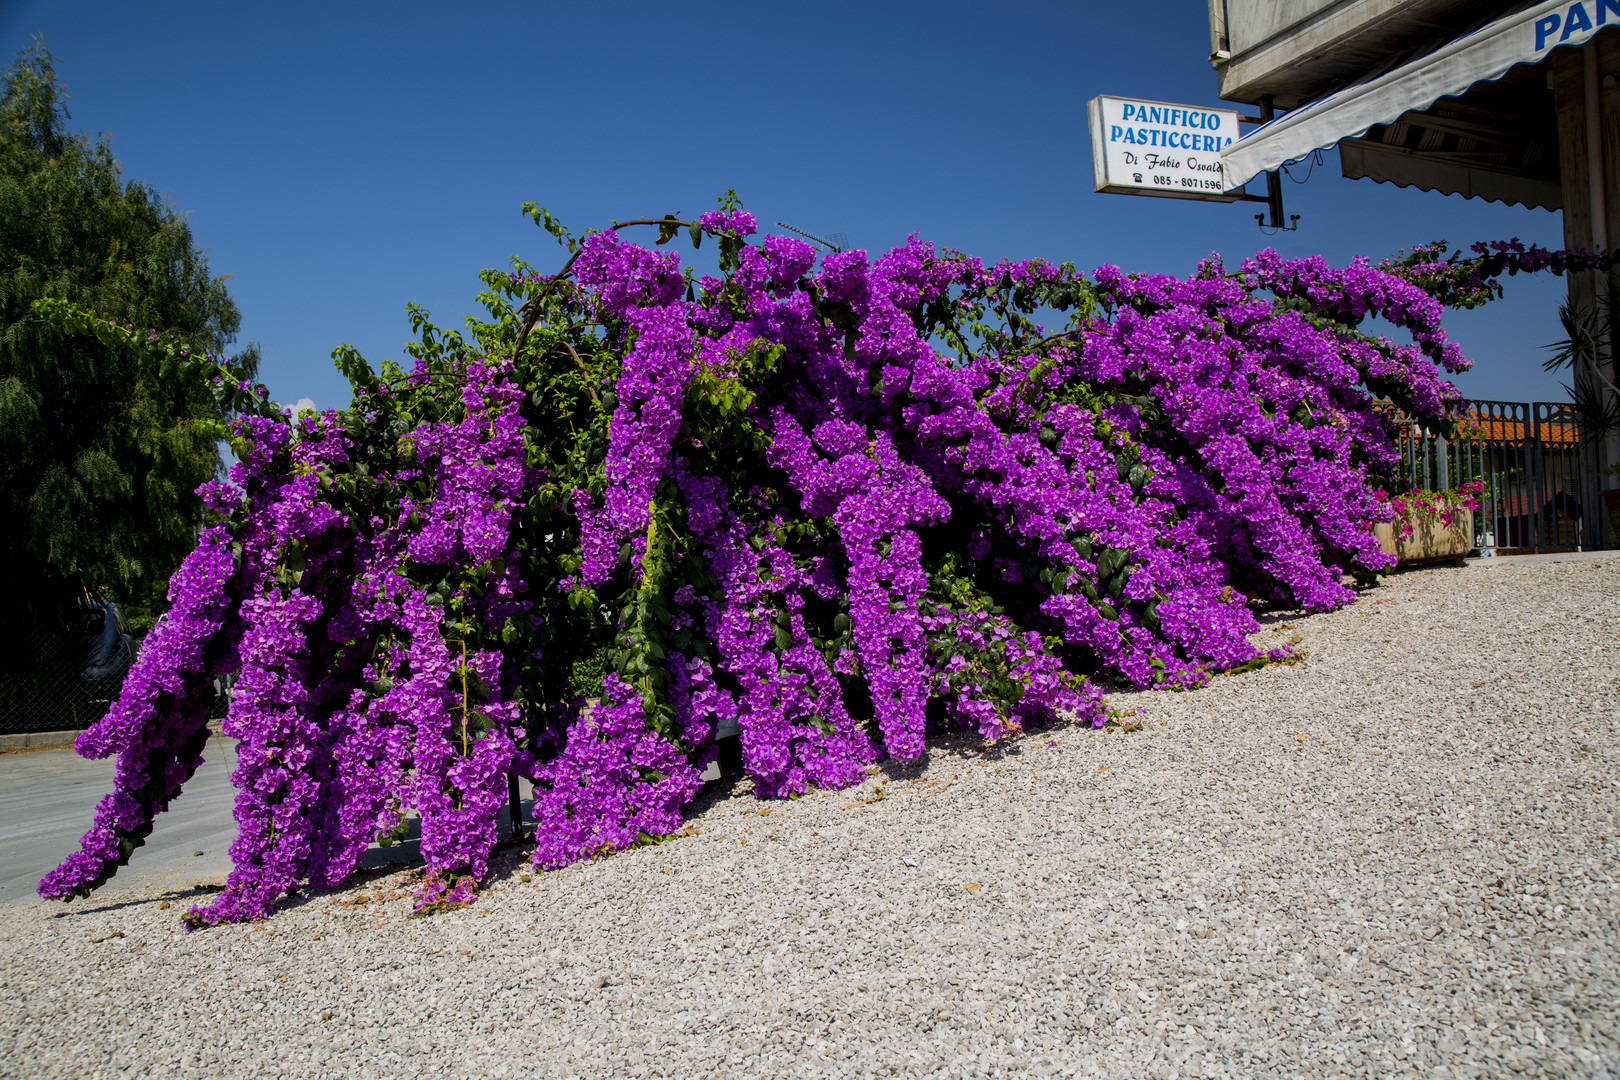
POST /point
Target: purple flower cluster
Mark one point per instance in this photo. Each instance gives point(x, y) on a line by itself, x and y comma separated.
point(614, 782)
point(735, 222)
point(159, 723)
point(641, 287)
point(795, 728)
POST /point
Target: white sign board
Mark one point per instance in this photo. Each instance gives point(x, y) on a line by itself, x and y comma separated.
point(1153, 148)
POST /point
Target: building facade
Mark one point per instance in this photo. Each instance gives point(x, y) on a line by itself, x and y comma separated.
point(1507, 101)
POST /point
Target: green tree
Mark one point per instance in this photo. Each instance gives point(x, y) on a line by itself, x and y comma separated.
point(100, 448)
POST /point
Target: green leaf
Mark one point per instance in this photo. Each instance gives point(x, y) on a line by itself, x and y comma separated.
point(1150, 616)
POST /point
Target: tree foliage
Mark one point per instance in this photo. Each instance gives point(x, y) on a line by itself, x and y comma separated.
point(101, 450)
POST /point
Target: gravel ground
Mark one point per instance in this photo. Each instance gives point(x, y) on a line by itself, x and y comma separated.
point(1395, 858)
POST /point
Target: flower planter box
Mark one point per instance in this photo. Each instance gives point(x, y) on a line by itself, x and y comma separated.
point(1431, 538)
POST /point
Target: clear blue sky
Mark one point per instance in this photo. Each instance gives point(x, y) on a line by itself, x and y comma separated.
point(340, 159)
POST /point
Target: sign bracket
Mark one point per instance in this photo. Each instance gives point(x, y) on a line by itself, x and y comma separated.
point(1272, 199)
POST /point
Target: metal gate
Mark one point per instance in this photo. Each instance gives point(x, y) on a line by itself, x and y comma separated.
point(1541, 475)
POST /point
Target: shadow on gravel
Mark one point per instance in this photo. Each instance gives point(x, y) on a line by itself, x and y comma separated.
point(193, 894)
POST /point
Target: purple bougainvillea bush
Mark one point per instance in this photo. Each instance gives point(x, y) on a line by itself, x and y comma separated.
point(837, 501)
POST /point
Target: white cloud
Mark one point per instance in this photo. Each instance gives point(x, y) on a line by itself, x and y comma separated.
point(303, 405)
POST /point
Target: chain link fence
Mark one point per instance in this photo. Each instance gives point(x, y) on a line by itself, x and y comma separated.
point(53, 692)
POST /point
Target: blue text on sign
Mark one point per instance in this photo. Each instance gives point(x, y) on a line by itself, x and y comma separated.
point(1168, 117)
point(1573, 21)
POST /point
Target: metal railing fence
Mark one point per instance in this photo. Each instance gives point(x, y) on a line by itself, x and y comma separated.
point(1539, 469)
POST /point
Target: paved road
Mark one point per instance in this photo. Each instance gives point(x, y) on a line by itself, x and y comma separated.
point(48, 799)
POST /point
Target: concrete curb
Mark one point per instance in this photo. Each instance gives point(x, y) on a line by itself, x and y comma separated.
point(37, 738)
point(1554, 557)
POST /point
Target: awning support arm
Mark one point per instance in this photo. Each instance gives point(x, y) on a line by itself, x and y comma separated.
point(1273, 196)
